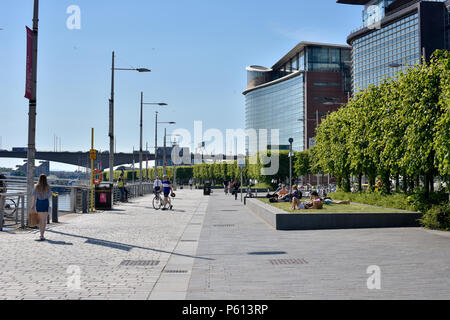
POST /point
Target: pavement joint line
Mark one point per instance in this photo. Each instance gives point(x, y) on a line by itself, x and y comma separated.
point(153, 292)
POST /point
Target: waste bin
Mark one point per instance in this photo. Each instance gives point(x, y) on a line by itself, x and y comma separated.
point(207, 189)
point(103, 196)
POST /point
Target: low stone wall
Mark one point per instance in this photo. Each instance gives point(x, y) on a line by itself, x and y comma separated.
point(281, 220)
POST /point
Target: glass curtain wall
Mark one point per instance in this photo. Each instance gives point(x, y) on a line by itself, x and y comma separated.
point(279, 106)
point(375, 54)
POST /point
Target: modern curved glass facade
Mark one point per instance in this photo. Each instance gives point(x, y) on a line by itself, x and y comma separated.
point(278, 106)
point(257, 75)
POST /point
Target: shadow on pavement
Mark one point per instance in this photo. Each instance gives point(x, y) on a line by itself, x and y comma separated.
point(123, 246)
point(59, 243)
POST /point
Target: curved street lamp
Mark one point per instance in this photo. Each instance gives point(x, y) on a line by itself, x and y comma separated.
point(111, 116)
point(161, 104)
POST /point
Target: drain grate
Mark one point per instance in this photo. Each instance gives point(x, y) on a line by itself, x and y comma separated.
point(175, 271)
point(188, 240)
point(224, 225)
point(139, 263)
point(195, 224)
point(288, 261)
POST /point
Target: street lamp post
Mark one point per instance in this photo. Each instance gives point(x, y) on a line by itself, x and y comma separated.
point(156, 140)
point(111, 116)
point(174, 145)
point(291, 140)
point(140, 141)
point(31, 152)
point(165, 146)
point(164, 152)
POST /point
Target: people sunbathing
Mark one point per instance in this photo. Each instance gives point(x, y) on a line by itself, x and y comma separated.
point(315, 202)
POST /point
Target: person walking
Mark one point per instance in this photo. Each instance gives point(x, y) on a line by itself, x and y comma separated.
point(167, 190)
point(191, 181)
point(157, 185)
point(2, 189)
point(236, 186)
point(41, 203)
point(123, 190)
point(225, 185)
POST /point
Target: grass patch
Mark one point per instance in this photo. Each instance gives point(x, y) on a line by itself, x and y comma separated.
point(262, 185)
point(396, 201)
point(335, 208)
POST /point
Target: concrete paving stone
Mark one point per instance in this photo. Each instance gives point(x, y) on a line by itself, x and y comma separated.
point(409, 258)
point(414, 262)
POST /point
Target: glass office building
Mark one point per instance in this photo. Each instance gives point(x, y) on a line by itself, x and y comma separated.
point(293, 96)
point(395, 35)
point(375, 54)
point(278, 106)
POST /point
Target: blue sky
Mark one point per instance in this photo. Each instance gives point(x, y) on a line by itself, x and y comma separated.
point(197, 51)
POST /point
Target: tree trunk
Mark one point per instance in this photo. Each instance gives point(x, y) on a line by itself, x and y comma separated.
point(405, 183)
point(372, 182)
point(339, 182)
point(427, 185)
point(360, 182)
point(397, 183)
point(347, 184)
point(386, 182)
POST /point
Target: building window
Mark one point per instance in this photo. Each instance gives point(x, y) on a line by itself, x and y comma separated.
point(327, 84)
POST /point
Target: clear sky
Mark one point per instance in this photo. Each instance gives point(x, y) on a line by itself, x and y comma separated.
point(197, 51)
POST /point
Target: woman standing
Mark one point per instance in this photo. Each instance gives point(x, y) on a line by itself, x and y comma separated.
point(41, 203)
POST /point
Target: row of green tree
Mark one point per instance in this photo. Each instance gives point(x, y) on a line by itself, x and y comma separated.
point(399, 129)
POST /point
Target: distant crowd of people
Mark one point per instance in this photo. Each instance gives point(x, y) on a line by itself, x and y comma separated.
point(294, 196)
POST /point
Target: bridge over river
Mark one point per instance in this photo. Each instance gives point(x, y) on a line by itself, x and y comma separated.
point(81, 159)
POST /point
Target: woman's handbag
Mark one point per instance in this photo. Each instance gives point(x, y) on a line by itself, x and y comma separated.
point(33, 219)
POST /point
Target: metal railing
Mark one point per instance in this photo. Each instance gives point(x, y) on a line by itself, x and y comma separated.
point(13, 199)
point(133, 190)
point(14, 207)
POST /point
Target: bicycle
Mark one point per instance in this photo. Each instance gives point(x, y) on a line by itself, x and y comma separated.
point(9, 208)
point(157, 201)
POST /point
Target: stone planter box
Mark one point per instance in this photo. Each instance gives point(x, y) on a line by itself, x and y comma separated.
point(282, 220)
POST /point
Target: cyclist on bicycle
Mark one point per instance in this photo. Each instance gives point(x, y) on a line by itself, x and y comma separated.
point(167, 190)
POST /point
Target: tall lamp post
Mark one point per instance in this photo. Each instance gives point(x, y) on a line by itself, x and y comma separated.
point(174, 144)
point(31, 152)
point(291, 140)
point(165, 147)
point(156, 141)
point(111, 116)
point(140, 142)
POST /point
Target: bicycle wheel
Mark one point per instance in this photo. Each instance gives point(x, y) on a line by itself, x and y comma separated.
point(9, 207)
point(157, 203)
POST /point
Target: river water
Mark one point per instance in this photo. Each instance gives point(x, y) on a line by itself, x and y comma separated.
point(63, 197)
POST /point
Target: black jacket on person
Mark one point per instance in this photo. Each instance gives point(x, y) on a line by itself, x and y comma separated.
point(2, 184)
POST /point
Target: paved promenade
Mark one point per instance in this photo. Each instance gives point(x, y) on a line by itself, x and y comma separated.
point(254, 261)
point(101, 248)
point(214, 248)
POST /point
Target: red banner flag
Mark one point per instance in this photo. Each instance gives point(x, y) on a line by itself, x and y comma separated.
point(29, 68)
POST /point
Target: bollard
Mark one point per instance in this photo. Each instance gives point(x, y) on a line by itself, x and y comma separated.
point(55, 208)
point(84, 202)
